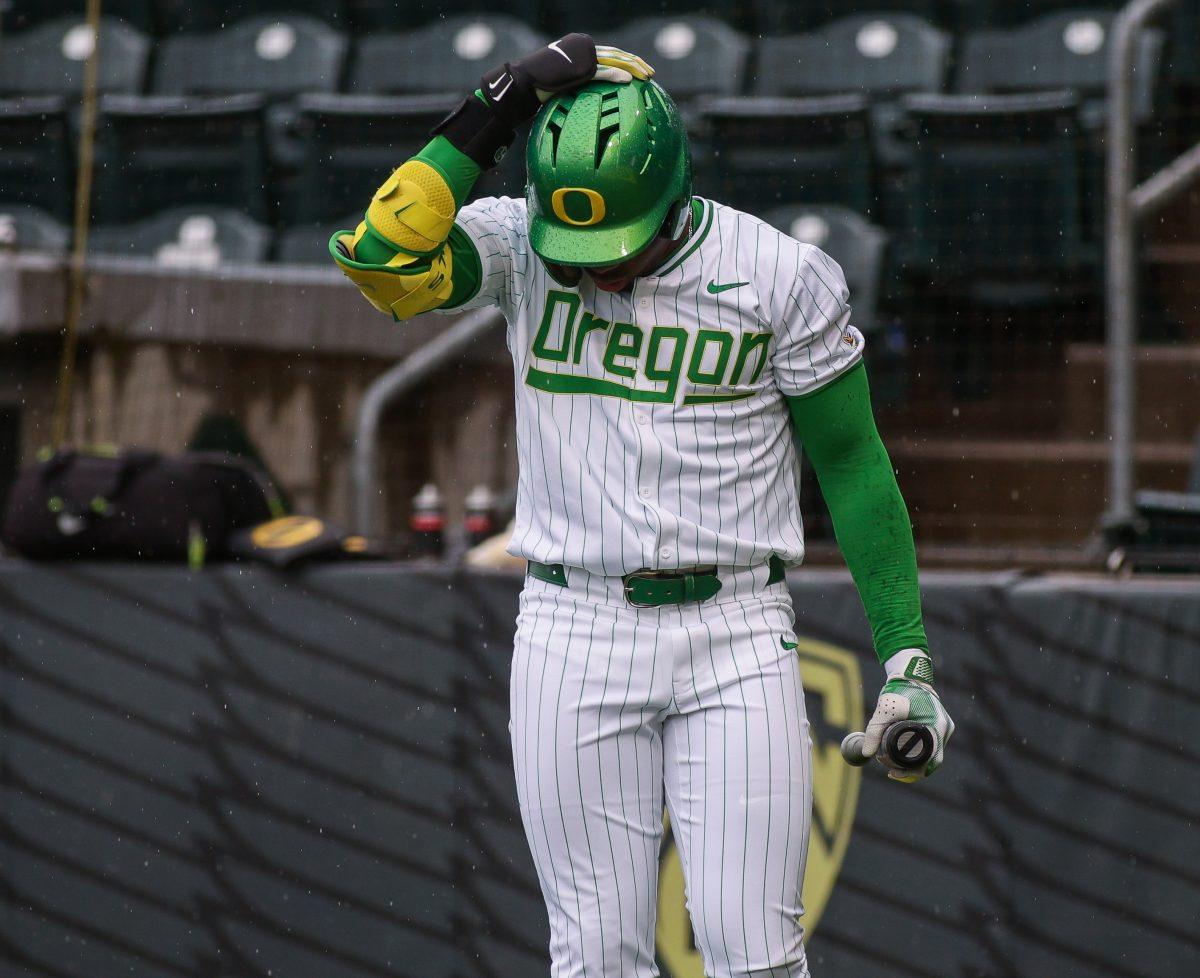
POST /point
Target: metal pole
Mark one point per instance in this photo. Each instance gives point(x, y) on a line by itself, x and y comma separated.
point(1159, 190)
point(61, 419)
point(397, 381)
point(1120, 257)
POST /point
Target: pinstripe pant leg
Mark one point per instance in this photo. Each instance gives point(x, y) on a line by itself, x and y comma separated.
point(589, 685)
point(738, 775)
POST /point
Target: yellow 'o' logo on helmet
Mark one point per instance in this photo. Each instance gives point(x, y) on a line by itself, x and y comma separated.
point(595, 203)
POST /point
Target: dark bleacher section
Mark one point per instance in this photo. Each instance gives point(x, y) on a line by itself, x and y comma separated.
point(947, 153)
point(931, 119)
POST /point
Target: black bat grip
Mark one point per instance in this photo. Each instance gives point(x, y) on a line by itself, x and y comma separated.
point(909, 745)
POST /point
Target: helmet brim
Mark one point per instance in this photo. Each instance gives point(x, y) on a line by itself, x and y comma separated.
point(584, 247)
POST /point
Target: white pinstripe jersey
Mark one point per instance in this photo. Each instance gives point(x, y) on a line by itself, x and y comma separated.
point(652, 432)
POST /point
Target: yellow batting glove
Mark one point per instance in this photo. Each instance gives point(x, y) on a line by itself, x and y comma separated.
point(615, 65)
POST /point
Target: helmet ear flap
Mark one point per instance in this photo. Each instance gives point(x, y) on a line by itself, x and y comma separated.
point(676, 220)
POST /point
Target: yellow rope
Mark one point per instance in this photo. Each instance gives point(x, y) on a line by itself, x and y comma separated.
point(83, 205)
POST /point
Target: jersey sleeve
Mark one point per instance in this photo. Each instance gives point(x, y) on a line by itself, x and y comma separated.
point(494, 229)
point(814, 341)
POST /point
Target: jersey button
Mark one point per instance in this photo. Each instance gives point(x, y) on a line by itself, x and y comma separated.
point(666, 553)
point(646, 492)
point(642, 418)
point(644, 303)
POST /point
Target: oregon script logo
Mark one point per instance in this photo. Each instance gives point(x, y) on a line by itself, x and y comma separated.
point(644, 365)
point(833, 687)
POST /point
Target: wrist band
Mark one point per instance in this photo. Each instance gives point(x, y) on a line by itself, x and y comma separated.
point(477, 132)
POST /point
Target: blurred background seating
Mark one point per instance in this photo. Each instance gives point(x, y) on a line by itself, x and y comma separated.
point(950, 153)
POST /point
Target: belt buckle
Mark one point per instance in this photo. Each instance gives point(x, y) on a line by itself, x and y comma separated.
point(628, 589)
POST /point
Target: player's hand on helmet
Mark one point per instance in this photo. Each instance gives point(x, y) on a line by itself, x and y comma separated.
point(517, 89)
point(908, 694)
point(615, 65)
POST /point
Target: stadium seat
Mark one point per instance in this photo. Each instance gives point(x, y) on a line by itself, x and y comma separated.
point(18, 15)
point(444, 57)
point(157, 152)
point(975, 14)
point(49, 59)
point(350, 143)
point(273, 56)
point(25, 228)
point(994, 187)
point(873, 54)
point(187, 237)
point(758, 153)
point(1063, 50)
point(596, 17)
point(35, 157)
point(173, 16)
point(849, 239)
point(1066, 50)
point(773, 17)
point(692, 55)
point(309, 244)
point(368, 16)
point(879, 55)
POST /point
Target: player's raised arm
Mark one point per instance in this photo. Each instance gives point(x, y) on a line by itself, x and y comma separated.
point(405, 256)
point(820, 370)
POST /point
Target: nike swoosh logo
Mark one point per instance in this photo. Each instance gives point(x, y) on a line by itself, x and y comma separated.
point(497, 96)
point(713, 288)
point(554, 47)
point(786, 644)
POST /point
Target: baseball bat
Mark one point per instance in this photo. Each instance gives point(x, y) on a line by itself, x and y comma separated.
point(908, 745)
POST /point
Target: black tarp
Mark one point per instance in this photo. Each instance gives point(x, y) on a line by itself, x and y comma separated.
point(240, 773)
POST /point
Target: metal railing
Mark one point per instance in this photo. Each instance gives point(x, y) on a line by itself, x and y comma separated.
point(1126, 205)
point(399, 380)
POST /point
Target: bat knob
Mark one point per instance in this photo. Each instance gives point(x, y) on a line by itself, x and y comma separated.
point(852, 749)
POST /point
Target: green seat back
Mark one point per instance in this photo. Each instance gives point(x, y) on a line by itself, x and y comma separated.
point(447, 56)
point(49, 59)
point(1068, 49)
point(994, 186)
point(875, 54)
point(974, 14)
point(176, 16)
point(275, 56)
point(158, 152)
point(773, 17)
point(758, 153)
point(370, 16)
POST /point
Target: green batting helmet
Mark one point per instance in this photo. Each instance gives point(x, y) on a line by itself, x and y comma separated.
point(607, 165)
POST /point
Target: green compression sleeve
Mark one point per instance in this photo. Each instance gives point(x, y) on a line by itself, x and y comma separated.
point(836, 429)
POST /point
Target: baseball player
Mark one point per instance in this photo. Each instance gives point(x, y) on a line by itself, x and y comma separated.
point(669, 352)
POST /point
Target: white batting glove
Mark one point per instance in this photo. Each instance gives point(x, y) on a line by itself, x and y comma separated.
point(908, 694)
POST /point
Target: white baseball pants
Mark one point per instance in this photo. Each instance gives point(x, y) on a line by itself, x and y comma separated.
point(611, 705)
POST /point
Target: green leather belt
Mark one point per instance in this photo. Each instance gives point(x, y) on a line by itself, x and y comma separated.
point(653, 589)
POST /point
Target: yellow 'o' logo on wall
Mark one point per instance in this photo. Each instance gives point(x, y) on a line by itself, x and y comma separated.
point(571, 209)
